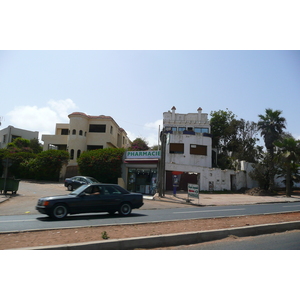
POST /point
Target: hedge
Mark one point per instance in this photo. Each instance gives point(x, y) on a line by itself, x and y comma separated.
point(103, 164)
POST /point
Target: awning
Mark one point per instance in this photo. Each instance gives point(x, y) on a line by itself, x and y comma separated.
point(176, 172)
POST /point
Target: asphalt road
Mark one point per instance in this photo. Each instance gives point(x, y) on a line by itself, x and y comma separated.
point(40, 222)
point(277, 241)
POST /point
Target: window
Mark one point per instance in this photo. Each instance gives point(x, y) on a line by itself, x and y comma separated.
point(78, 153)
point(111, 190)
point(97, 128)
point(201, 130)
point(181, 129)
point(93, 147)
point(177, 148)
point(64, 131)
point(4, 138)
point(72, 154)
point(80, 132)
point(111, 130)
point(174, 128)
point(198, 149)
point(74, 132)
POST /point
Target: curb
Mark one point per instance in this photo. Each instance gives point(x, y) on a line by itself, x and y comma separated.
point(170, 240)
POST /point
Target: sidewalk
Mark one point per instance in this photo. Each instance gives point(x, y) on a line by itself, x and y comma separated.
point(216, 199)
point(4, 197)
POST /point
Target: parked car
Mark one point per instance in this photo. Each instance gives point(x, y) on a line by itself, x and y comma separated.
point(74, 182)
point(91, 198)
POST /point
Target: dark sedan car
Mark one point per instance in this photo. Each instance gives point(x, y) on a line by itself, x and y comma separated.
point(75, 182)
point(91, 198)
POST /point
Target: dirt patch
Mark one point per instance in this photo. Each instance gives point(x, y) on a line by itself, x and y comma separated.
point(89, 234)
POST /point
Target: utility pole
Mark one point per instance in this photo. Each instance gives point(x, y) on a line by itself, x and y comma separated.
point(162, 165)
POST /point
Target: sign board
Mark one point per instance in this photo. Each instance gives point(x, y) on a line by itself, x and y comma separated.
point(143, 154)
point(193, 190)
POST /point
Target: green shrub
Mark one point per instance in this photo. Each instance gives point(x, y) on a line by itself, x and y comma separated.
point(44, 166)
point(103, 164)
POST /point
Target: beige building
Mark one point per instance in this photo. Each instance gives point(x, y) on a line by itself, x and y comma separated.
point(85, 132)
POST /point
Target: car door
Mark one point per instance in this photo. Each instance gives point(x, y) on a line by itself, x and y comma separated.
point(95, 199)
point(112, 197)
point(76, 182)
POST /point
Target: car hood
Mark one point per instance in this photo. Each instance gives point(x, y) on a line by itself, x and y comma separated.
point(58, 197)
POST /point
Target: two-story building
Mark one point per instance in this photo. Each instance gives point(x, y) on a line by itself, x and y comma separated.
point(85, 132)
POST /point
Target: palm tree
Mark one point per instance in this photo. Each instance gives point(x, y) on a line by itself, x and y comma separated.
point(289, 156)
point(271, 126)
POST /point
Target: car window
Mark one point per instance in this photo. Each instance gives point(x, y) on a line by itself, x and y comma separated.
point(94, 190)
point(94, 180)
point(111, 190)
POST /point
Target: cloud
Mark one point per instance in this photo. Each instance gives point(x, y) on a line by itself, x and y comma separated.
point(42, 119)
point(150, 133)
point(154, 125)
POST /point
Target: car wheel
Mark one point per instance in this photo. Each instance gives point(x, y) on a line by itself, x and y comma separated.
point(70, 187)
point(125, 209)
point(59, 211)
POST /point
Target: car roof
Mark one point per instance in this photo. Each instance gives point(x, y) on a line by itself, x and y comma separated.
point(102, 183)
point(84, 177)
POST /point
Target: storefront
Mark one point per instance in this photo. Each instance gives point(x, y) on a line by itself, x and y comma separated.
point(141, 171)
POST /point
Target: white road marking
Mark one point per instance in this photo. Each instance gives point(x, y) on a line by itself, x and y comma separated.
point(205, 211)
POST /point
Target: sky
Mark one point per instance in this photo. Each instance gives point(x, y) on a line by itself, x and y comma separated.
point(135, 60)
point(40, 88)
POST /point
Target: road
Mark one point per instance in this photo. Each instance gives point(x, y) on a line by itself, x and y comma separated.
point(40, 222)
point(277, 241)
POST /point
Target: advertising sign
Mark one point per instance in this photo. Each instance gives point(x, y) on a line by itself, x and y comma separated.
point(193, 190)
point(143, 154)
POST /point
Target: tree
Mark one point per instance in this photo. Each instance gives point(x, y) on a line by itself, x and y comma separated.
point(222, 127)
point(234, 139)
point(260, 172)
point(271, 126)
point(243, 142)
point(23, 145)
point(19, 145)
point(139, 144)
point(288, 156)
point(36, 146)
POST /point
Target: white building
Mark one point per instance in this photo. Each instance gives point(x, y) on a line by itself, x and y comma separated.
point(7, 135)
point(188, 155)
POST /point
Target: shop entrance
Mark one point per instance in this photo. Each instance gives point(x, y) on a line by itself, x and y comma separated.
point(184, 180)
point(142, 181)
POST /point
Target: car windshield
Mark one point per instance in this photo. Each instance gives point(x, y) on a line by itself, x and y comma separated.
point(79, 190)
